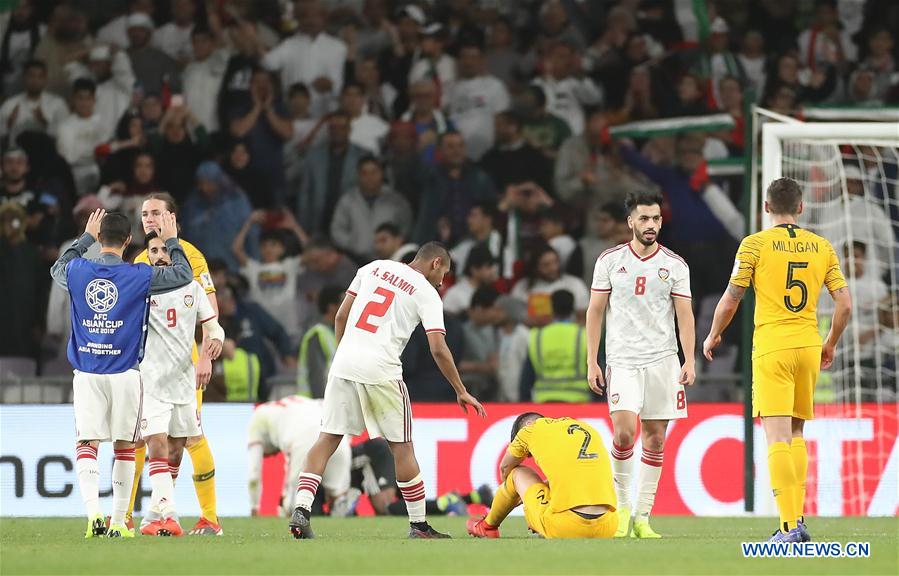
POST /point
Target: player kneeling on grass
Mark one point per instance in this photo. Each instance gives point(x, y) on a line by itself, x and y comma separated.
point(577, 500)
point(169, 386)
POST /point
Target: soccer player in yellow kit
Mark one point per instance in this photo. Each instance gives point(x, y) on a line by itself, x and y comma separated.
point(577, 500)
point(153, 207)
point(787, 267)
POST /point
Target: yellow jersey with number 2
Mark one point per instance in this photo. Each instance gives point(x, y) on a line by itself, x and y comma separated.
point(787, 267)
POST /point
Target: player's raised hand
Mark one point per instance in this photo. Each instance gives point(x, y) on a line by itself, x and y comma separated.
point(827, 354)
point(711, 342)
point(93, 223)
point(687, 374)
point(595, 379)
point(465, 400)
point(168, 226)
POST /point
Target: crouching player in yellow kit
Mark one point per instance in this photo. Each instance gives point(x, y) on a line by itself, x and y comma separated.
point(787, 267)
point(153, 207)
point(577, 500)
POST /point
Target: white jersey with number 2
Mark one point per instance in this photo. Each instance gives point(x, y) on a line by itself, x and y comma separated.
point(167, 369)
point(391, 298)
point(640, 316)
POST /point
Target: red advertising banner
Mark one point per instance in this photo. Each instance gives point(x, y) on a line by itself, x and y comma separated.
point(853, 465)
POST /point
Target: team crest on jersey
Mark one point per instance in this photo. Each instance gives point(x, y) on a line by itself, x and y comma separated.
point(663, 274)
point(143, 423)
point(614, 398)
point(188, 300)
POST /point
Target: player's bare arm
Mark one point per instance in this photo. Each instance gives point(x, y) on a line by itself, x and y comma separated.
point(842, 300)
point(596, 311)
point(343, 314)
point(724, 315)
point(683, 309)
point(509, 463)
point(444, 360)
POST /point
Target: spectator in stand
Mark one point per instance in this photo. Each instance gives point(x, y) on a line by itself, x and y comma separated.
point(273, 278)
point(553, 232)
point(151, 113)
point(434, 65)
point(307, 132)
point(67, 39)
point(420, 373)
point(313, 57)
point(567, 90)
point(214, 213)
point(203, 75)
point(254, 330)
point(111, 70)
point(156, 72)
point(429, 120)
point(824, 44)
point(482, 231)
point(242, 172)
point(318, 345)
point(42, 208)
point(715, 62)
point(880, 61)
point(379, 96)
point(475, 99)
point(554, 26)
point(543, 277)
point(502, 59)
point(643, 100)
point(544, 131)
point(324, 265)
point(179, 150)
point(809, 86)
point(513, 347)
point(782, 100)
point(753, 60)
point(731, 102)
point(234, 93)
point(34, 109)
point(330, 169)
point(691, 101)
point(174, 38)
point(22, 286)
point(266, 125)
point(362, 209)
point(79, 136)
point(115, 32)
point(455, 185)
point(480, 271)
point(404, 165)
point(18, 42)
point(606, 228)
point(512, 160)
point(117, 156)
point(480, 359)
point(48, 171)
point(390, 244)
point(366, 130)
point(142, 180)
point(405, 50)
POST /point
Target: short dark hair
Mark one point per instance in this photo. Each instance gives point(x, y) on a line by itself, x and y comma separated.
point(339, 114)
point(390, 228)
point(563, 303)
point(170, 204)
point(478, 257)
point(115, 228)
point(522, 421)
point(297, 88)
point(484, 297)
point(642, 198)
point(784, 196)
point(35, 63)
point(151, 235)
point(447, 134)
point(433, 250)
point(368, 159)
point(84, 85)
point(328, 296)
point(320, 242)
point(553, 214)
point(272, 236)
point(201, 31)
point(488, 209)
point(347, 85)
point(511, 117)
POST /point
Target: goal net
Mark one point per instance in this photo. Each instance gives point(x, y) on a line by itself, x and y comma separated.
point(848, 173)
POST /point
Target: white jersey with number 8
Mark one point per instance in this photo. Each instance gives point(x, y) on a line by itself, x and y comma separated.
point(391, 299)
point(167, 369)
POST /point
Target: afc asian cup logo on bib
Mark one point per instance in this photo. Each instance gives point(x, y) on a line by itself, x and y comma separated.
point(101, 295)
point(663, 274)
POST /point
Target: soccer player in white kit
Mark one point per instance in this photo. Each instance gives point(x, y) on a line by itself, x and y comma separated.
point(365, 389)
point(291, 425)
point(643, 285)
point(170, 414)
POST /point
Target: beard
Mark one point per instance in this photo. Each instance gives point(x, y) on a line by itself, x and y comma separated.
point(646, 241)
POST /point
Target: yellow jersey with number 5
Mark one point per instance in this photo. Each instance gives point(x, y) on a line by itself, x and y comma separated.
point(787, 267)
point(572, 456)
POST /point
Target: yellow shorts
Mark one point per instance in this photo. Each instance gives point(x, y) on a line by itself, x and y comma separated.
point(566, 524)
point(783, 382)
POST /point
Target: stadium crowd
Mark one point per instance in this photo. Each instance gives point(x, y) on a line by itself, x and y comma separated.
point(302, 140)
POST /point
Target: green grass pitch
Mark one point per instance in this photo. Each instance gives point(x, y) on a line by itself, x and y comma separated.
point(378, 546)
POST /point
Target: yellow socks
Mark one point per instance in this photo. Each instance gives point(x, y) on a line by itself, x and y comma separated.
point(800, 465)
point(505, 499)
point(140, 455)
point(783, 483)
point(204, 478)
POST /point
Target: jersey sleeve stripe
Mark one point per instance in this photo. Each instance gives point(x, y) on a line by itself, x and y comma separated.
point(603, 290)
point(610, 250)
point(675, 256)
point(435, 330)
point(351, 293)
point(676, 295)
point(213, 317)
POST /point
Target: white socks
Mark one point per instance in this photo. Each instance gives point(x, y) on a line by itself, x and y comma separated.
point(122, 480)
point(163, 499)
point(622, 470)
point(88, 478)
point(413, 493)
point(648, 482)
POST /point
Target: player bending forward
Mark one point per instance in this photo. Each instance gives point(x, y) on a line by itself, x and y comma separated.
point(644, 285)
point(578, 498)
point(382, 307)
point(786, 266)
point(291, 425)
point(170, 382)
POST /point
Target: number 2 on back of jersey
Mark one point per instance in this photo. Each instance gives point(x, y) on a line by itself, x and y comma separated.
point(375, 310)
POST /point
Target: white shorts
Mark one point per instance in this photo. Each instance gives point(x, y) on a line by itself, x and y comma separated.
point(351, 407)
point(651, 391)
point(107, 406)
point(335, 478)
point(176, 420)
